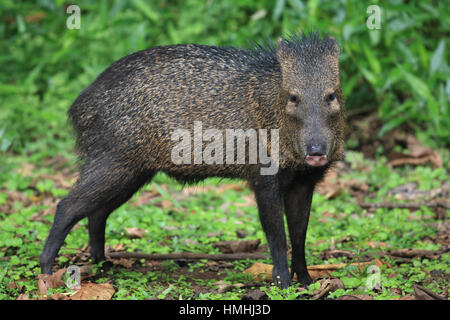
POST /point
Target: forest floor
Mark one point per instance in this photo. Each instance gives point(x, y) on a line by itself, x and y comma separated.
point(379, 229)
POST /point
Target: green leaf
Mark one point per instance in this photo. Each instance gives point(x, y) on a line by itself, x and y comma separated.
point(14, 260)
point(297, 4)
point(350, 282)
point(370, 76)
point(278, 10)
point(438, 57)
point(347, 31)
point(3, 198)
point(45, 185)
point(373, 61)
point(375, 36)
point(421, 89)
point(146, 10)
point(393, 123)
point(312, 9)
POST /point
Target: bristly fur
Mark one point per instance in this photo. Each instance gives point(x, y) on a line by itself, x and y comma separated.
point(266, 49)
point(264, 46)
point(299, 42)
point(303, 39)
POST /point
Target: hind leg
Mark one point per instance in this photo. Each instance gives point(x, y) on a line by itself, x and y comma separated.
point(68, 213)
point(100, 189)
point(96, 226)
point(97, 221)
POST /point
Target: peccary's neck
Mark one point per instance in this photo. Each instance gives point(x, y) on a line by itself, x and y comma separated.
point(263, 73)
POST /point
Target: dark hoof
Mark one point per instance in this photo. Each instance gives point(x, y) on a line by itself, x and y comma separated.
point(46, 266)
point(305, 281)
point(105, 266)
point(282, 280)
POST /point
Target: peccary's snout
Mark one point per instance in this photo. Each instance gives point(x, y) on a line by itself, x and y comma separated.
point(316, 149)
point(316, 154)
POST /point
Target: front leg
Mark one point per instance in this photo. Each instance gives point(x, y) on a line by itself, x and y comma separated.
point(297, 202)
point(269, 200)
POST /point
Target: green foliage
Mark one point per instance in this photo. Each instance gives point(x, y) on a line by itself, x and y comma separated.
point(400, 70)
point(291, 293)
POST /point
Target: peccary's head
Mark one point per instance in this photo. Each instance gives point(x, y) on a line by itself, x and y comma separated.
point(312, 98)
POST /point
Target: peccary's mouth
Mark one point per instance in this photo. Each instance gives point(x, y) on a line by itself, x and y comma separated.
point(316, 161)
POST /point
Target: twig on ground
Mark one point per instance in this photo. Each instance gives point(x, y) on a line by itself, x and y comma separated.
point(404, 205)
point(186, 255)
point(410, 253)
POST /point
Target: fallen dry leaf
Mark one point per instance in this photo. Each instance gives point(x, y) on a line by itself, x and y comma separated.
point(434, 159)
point(144, 198)
point(419, 155)
point(332, 190)
point(46, 281)
point(23, 296)
point(127, 263)
point(223, 286)
point(416, 147)
point(327, 286)
point(332, 187)
point(57, 296)
point(336, 253)
point(135, 233)
point(377, 244)
point(94, 291)
point(329, 187)
point(260, 271)
point(236, 246)
point(263, 271)
point(119, 247)
point(42, 287)
point(356, 185)
point(254, 295)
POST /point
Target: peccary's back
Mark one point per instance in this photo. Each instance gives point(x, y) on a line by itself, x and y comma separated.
point(132, 108)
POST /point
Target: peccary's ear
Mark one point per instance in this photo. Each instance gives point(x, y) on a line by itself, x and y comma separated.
point(333, 45)
point(332, 49)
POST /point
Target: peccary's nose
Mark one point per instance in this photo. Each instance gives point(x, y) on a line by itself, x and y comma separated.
point(316, 154)
point(315, 149)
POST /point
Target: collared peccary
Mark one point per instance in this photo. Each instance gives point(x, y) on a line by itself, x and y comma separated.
point(125, 121)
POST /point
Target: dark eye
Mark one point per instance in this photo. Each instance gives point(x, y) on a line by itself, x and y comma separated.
point(293, 98)
point(331, 97)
